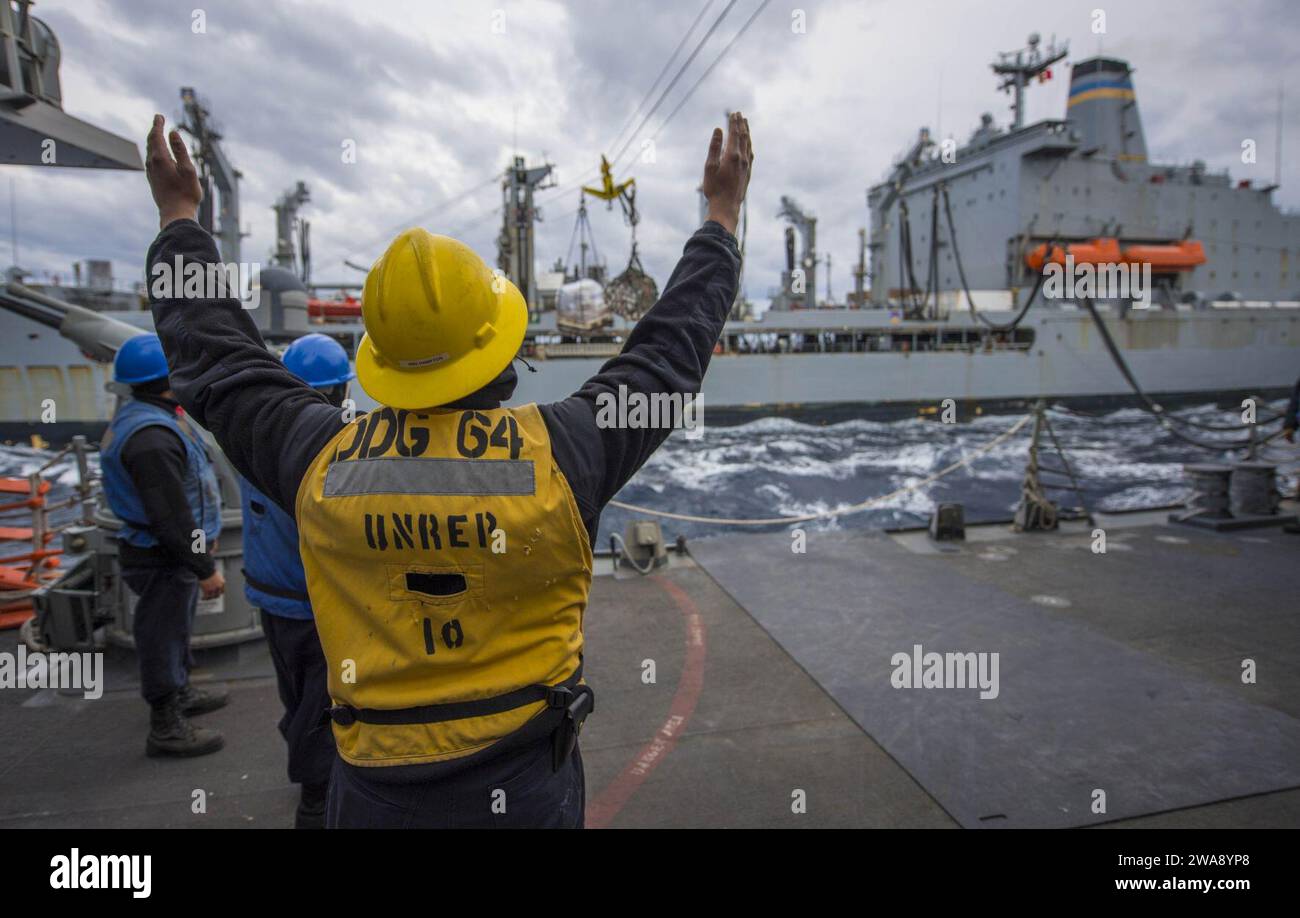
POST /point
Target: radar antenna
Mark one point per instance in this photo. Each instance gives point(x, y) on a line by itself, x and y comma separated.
point(1017, 68)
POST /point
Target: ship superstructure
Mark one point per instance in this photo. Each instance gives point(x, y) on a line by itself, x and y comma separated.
point(1075, 181)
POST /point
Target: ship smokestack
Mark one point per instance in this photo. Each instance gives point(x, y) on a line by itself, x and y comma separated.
point(1103, 108)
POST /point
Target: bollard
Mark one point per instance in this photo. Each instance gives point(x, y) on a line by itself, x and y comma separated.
point(1252, 490)
point(948, 523)
point(1209, 497)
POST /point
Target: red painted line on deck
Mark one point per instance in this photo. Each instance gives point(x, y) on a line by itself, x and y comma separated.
point(611, 800)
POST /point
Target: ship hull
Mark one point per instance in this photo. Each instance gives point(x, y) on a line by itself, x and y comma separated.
point(1211, 355)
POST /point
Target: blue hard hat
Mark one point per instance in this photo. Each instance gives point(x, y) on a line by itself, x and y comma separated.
point(318, 360)
point(140, 360)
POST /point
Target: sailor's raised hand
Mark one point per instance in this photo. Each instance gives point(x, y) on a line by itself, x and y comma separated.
point(726, 171)
point(172, 177)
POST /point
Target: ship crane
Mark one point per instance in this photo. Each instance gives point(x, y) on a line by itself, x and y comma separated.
point(585, 239)
point(1017, 68)
point(807, 227)
point(519, 214)
point(216, 171)
point(633, 292)
point(287, 226)
point(580, 307)
point(609, 191)
point(860, 273)
point(911, 161)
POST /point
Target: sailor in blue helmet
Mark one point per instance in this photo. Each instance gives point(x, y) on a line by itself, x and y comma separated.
point(159, 481)
point(274, 582)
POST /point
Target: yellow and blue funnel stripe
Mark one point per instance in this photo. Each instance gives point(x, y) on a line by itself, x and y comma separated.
point(1100, 86)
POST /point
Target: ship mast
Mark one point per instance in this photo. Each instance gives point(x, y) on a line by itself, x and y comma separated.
point(287, 226)
point(515, 244)
point(215, 171)
point(1017, 68)
point(807, 226)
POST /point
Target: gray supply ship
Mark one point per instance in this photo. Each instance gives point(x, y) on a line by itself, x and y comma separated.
point(976, 222)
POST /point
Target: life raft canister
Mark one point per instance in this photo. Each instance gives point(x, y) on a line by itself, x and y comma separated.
point(449, 571)
point(1164, 258)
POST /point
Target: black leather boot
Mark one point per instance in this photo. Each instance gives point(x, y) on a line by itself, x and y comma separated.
point(311, 807)
point(171, 734)
point(195, 701)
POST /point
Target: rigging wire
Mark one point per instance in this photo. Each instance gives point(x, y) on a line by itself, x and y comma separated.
point(932, 272)
point(1069, 469)
point(906, 271)
point(582, 235)
point(705, 75)
point(564, 189)
point(917, 309)
point(961, 274)
point(655, 85)
point(1166, 420)
point(461, 230)
point(423, 217)
point(677, 76)
point(615, 159)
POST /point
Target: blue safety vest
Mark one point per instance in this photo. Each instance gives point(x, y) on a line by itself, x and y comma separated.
point(273, 576)
point(201, 490)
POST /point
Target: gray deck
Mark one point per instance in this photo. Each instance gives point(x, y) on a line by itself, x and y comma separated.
point(1119, 672)
point(735, 723)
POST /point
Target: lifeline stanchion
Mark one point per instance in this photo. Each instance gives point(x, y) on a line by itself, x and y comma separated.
point(1036, 512)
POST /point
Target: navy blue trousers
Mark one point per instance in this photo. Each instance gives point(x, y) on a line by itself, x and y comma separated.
point(518, 790)
point(300, 675)
point(164, 616)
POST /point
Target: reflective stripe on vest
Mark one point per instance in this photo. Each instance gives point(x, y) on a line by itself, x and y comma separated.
point(449, 570)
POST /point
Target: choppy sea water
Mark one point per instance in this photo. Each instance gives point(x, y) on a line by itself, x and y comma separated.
point(777, 467)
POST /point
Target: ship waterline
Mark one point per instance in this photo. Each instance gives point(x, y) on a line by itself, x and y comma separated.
point(845, 361)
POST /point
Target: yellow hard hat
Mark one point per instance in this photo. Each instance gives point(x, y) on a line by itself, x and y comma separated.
point(439, 323)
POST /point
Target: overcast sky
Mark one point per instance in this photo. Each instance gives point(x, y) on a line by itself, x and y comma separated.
point(435, 93)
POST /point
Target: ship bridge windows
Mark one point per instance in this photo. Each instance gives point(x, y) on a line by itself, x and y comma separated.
point(1099, 65)
point(893, 339)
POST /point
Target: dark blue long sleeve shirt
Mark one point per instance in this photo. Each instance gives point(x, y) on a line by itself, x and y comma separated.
point(272, 425)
